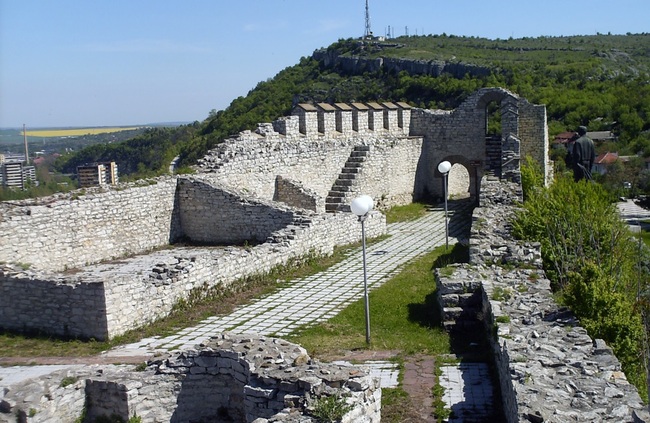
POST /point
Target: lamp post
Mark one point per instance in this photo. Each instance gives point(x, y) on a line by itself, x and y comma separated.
point(444, 168)
point(361, 206)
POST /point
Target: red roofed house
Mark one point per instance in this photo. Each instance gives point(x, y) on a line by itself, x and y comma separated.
point(604, 160)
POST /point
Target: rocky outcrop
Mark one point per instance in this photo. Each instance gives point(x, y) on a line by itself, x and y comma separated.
point(357, 65)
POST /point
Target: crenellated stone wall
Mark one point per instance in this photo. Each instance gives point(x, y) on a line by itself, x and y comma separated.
point(321, 138)
point(258, 187)
point(231, 378)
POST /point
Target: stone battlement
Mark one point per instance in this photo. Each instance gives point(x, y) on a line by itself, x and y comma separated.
point(343, 119)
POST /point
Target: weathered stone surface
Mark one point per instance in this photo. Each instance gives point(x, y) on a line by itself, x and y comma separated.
point(172, 390)
point(549, 369)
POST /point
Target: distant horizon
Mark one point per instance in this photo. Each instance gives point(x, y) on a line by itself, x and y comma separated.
point(74, 63)
point(138, 125)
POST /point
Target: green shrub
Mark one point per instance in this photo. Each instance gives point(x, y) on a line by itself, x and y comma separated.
point(591, 259)
point(532, 177)
point(330, 408)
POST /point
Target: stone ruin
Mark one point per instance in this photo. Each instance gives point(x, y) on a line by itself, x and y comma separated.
point(547, 367)
point(231, 378)
point(98, 263)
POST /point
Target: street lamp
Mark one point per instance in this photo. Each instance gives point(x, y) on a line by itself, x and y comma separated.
point(444, 168)
point(361, 206)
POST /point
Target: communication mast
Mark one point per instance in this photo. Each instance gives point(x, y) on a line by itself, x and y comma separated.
point(368, 32)
point(25, 141)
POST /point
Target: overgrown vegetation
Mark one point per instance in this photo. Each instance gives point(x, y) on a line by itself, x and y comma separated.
point(594, 264)
point(330, 408)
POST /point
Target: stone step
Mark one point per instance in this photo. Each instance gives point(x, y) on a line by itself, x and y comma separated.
point(333, 200)
point(336, 193)
point(354, 159)
point(353, 165)
point(361, 148)
point(462, 300)
point(456, 313)
point(343, 183)
point(347, 176)
point(331, 207)
point(354, 170)
point(462, 326)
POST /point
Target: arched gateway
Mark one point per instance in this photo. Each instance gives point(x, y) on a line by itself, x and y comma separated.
point(465, 137)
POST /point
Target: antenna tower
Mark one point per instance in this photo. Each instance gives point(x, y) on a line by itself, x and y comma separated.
point(25, 141)
point(368, 32)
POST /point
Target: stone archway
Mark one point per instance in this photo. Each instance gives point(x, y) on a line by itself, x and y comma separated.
point(459, 136)
point(459, 182)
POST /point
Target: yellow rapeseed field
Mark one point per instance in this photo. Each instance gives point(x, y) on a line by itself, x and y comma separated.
point(73, 132)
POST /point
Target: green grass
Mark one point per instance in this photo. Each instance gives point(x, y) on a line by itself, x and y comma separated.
point(406, 213)
point(403, 315)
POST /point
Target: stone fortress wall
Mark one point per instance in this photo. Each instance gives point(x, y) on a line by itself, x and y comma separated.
point(64, 260)
point(270, 189)
point(547, 366)
point(239, 378)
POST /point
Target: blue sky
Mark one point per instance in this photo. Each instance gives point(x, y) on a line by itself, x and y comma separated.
point(127, 62)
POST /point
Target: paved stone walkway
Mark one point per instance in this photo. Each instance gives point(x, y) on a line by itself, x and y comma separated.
point(317, 298)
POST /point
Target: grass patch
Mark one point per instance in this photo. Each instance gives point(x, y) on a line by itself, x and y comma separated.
point(406, 213)
point(403, 315)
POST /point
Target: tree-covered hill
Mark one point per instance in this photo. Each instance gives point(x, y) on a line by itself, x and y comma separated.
point(602, 81)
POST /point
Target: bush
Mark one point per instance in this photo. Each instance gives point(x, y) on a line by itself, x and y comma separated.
point(593, 262)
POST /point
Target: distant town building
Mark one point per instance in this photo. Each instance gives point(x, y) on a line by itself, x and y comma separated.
point(604, 160)
point(97, 174)
point(15, 174)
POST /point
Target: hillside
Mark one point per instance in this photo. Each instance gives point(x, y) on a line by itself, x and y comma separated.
point(600, 81)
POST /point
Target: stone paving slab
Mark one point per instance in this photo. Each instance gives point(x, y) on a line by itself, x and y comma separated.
point(468, 392)
point(316, 298)
point(319, 297)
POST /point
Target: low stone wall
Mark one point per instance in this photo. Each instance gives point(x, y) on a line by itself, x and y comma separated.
point(106, 300)
point(548, 367)
point(231, 378)
point(292, 193)
point(88, 226)
point(210, 214)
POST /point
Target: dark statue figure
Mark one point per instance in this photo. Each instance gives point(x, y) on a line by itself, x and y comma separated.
point(583, 155)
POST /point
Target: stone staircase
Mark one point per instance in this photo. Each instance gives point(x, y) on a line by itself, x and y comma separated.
point(336, 198)
point(464, 308)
